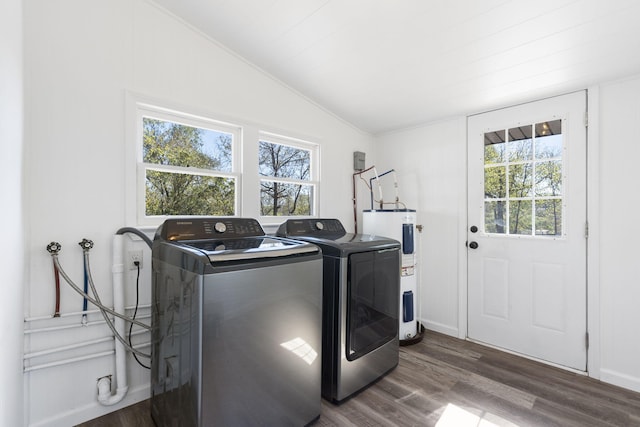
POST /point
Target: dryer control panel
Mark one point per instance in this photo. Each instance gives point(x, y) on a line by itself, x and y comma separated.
point(311, 227)
point(209, 228)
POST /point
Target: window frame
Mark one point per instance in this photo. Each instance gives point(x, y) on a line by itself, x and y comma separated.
point(314, 174)
point(145, 110)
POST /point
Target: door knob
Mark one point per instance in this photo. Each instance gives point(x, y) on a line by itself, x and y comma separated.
point(473, 245)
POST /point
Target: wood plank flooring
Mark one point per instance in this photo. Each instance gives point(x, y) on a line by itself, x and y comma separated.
point(447, 382)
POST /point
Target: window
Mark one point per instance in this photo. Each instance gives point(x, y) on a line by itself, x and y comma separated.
point(187, 165)
point(523, 180)
point(288, 186)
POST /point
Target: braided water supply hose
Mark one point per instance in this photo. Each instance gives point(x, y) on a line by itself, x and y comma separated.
point(54, 248)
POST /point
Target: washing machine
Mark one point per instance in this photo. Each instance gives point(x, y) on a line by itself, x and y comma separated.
point(361, 281)
point(236, 325)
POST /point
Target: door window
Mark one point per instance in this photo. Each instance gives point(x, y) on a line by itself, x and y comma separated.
point(523, 180)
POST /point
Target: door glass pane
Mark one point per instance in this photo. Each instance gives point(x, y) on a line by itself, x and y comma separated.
point(494, 147)
point(520, 182)
point(549, 178)
point(495, 216)
point(549, 217)
point(495, 182)
point(520, 145)
point(549, 139)
point(520, 217)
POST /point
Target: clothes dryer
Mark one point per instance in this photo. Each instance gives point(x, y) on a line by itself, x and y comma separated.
point(361, 280)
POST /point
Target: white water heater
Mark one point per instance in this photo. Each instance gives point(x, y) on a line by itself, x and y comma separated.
point(400, 224)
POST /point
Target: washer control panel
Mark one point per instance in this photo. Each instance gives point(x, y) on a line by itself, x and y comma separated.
point(176, 229)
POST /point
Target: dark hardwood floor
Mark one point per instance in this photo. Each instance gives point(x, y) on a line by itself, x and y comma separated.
point(449, 382)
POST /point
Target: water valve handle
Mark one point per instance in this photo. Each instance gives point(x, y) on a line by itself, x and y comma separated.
point(54, 247)
point(86, 244)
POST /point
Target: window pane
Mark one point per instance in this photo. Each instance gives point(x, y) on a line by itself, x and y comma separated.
point(520, 146)
point(170, 193)
point(494, 147)
point(520, 217)
point(553, 127)
point(520, 181)
point(549, 217)
point(549, 140)
point(284, 199)
point(520, 133)
point(549, 178)
point(549, 147)
point(284, 161)
point(167, 143)
point(495, 183)
point(495, 217)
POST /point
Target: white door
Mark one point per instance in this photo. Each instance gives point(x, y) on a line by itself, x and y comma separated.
point(527, 229)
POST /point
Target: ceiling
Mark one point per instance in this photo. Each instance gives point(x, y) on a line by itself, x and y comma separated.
point(383, 65)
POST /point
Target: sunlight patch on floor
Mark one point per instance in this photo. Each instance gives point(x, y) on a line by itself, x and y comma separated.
point(455, 416)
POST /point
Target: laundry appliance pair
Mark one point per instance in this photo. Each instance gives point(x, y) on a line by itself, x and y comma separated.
point(250, 329)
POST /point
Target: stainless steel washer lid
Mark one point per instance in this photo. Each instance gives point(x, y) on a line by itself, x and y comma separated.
point(221, 250)
point(225, 239)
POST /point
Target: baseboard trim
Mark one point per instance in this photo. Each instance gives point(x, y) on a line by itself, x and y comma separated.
point(439, 327)
point(94, 410)
point(619, 379)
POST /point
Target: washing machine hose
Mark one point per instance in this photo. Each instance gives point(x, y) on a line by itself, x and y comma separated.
point(103, 309)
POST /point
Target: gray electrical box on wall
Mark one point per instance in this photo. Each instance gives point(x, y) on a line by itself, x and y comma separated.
point(358, 160)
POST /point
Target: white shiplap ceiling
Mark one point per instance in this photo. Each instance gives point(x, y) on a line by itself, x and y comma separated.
point(388, 64)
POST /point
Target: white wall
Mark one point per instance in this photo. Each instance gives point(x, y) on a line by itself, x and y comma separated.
point(11, 214)
point(82, 60)
point(619, 252)
point(430, 162)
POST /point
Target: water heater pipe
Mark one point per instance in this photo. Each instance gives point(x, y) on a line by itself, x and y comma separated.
point(354, 199)
point(381, 201)
point(395, 185)
point(104, 384)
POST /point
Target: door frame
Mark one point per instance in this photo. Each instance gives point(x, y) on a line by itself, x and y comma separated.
point(593, 242)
